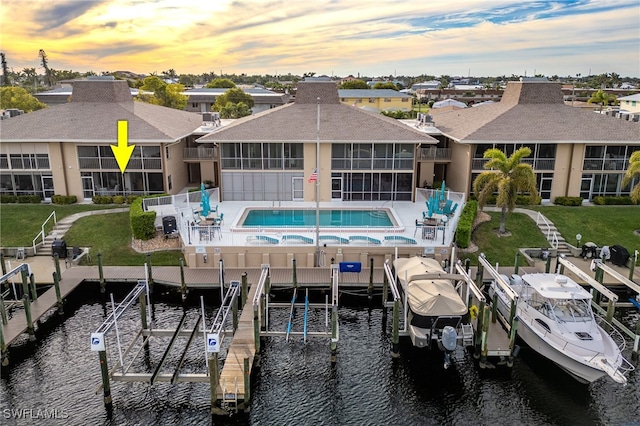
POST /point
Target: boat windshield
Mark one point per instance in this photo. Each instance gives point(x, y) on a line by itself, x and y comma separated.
point(564, 310)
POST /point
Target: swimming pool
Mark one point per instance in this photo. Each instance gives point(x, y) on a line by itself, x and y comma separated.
point(339, 218)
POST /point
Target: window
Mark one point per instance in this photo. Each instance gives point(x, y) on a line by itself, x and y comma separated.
point(167, 152)
point(169, 183)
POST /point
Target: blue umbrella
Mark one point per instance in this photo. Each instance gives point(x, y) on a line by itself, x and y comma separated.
point(204, 202)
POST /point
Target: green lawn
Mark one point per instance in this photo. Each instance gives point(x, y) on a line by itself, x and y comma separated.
point(110, 235)
point(20, 223)
point(502, 250)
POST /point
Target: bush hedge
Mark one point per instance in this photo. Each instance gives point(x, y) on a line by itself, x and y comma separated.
point(64, 199)
point(131, 198)
point(102, 199)
point(465, 224)
point(568, 201)
point(521, 200)
point(7, 198)
point(142, 223)
point(29, 199)
point(613, 200)
point(118, 199)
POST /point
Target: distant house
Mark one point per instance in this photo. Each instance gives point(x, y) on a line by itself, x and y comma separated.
point(630, 103)
point(201, 100)
point(376, 99)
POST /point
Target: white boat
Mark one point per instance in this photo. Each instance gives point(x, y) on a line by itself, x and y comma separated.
point(556, 320)
point(435, 308)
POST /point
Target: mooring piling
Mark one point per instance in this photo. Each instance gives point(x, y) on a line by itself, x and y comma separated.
point(32, 282)
point(56, 284)
point(547, 266)
point(27, 311)
point(103, 287)
point(517, 264)
point(370, 288)
point(3, 310)
point(106, 387)
point(395, 336)
point(479, 327)
point(183, 285)
point(149, 273)
point(214, 379)
point(245, 288)
point(334, 334)
point(512, 340)
point(56, 262)
point(4, 267)
point(247, 381)
point(295, 273)
point(25, 282)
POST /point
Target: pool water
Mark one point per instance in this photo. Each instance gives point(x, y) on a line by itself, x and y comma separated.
point(307, 218)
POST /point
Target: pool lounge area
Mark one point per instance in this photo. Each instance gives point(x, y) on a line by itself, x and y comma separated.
point(248, 234)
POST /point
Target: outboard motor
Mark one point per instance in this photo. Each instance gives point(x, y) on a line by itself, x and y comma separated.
point(448, 343)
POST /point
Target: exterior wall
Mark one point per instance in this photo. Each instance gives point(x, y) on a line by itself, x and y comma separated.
point(379, 103)
point(58, 169)
point(324, 171)
point(174, 166)
point(459, 170)
point(630, 105)
point(426, 172)
point(72, 169)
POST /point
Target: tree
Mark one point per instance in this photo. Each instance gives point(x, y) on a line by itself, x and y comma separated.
point(633, 171)
point(506, 177)
point(168, 95)
point(387, 85)
point(234, 97)
point(600, 97)
point(5, 72)
point(220, 83)
point(17, 97)
point(354, 84)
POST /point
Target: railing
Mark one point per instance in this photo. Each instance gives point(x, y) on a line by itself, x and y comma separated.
point(433, 153)
point(550, 235)
point(180, 201)
point(536, 163)
point(42, 233)
point(200, 153)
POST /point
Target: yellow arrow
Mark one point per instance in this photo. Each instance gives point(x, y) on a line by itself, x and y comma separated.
point(123, 151)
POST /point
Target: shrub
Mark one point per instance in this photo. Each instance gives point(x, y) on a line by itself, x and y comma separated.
point(568, 201)
point(131, 198)
point(521, 200)
point(64, 199)
point(613, 200)
point(465, 224)
point(142, 223)
point(102, 199)
point(118, 199)
point(29, 199)
point(7, 198)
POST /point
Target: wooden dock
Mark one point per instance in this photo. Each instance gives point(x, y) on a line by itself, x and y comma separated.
point(242, 346)
point(17, 325)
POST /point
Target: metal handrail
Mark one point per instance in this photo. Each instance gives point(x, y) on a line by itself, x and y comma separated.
point(551, 236)
point(55, 221)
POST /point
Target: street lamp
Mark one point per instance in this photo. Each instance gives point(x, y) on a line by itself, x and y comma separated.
point(444, 227)
point(578, 238)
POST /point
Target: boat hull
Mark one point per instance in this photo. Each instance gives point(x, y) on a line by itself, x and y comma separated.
point(581, 372)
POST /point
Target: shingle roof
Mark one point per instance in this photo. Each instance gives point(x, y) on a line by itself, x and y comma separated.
point(534, 111)
point(92, 114)
point(298, 122)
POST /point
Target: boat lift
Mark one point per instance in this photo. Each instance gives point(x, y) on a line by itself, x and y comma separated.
point(262, 308)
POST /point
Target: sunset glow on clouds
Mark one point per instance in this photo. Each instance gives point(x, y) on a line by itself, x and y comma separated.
point(333, 37)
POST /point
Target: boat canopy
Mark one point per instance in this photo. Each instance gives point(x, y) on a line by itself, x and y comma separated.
point(428, 297)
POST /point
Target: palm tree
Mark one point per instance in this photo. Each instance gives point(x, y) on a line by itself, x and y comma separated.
point(633, 171)
point(600, 97)
point(506, 177)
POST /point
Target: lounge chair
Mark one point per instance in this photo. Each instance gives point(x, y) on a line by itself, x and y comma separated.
point(299, 238)
point(262, 238)
point(333, 238)
point(368, 240)
point(400, 238)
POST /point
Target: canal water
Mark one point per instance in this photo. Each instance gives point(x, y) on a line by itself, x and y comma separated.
point(54, 380)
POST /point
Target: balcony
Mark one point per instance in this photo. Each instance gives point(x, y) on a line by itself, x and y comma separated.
point(538, 164)
point(200, 153)
point(434, 154)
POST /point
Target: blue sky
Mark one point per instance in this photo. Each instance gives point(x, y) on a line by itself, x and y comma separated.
point(332, 37)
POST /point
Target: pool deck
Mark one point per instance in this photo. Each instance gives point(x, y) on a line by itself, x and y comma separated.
point(231, 233)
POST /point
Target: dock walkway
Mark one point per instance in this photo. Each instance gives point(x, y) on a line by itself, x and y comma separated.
point(242, 346)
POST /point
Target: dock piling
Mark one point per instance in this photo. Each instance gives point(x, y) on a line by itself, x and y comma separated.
point(4, 267)
point(517, 264)
point(183, 285)
point(479, 328)
point(214, 378)
point(512, 340)
point(100, 274)
point(4, 354)
point(256, 328)
point(295, 273)
point(149, 274)
point(3, 310)
point(143, 310)
point(245, 289)
point(56, 261)
point(334, 334)
point(632, 266)
point(25, 283)
point(234, 310)
point(106, 387)
point(56, 284)
point(395, 337)
point(32, 282)
point(370, 288)
point(247, 383)
point(484, 341)
point(27, 311)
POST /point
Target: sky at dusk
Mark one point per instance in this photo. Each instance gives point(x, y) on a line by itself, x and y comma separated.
point(332, 37)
